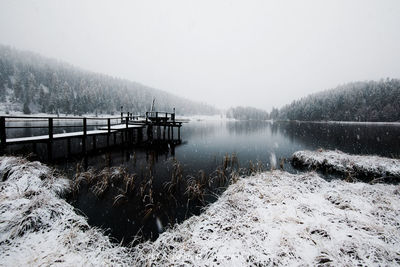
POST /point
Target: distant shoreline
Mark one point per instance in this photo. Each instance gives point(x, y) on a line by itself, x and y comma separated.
point(397, 123)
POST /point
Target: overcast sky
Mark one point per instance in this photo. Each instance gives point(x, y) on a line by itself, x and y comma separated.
point(226, 53)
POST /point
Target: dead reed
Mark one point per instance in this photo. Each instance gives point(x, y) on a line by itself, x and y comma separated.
point(183, 191)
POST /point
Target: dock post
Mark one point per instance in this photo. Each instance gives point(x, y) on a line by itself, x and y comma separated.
point(179, 133)
point(127, 129)
point(164, 129)
point(50, 141)
point(84, 136)
point(150, 132)
point(108, 131)
point(3, 132)
point(158, 132)
point(140, 135)
point(122, 116)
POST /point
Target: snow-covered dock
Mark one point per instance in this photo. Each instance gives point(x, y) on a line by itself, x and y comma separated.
point(354, 165)
point(266, 219)
point(128, 128)
point(44, 138)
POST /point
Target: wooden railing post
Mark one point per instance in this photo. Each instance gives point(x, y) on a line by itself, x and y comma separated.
point(84, 136)
point(108, 131)
point(3, 137)
point(50, 141)
point(127, 129)
point(122, 116)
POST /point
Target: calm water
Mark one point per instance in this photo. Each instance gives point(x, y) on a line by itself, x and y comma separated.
point(204, 145)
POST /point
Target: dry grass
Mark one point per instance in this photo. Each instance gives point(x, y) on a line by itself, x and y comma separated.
point(277, 218)
point(38, 227)
point(100, 181)
point(273, 218)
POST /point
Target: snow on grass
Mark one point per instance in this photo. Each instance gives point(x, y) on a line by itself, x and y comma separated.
point(37, 227)
point(286, 219)
point(348, 164)
point(270, 218)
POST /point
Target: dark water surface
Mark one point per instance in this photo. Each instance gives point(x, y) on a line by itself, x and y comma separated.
point(205, 143)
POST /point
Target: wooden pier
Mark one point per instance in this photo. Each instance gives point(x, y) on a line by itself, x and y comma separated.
point(126, 129)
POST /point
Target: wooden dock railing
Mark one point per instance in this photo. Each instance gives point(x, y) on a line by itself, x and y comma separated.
point(51, 128)
point(111, 125)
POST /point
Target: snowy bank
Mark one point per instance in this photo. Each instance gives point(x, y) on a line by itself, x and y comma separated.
point(354, 165)
point(37, 227)
point(286, 219)
point(270, 218)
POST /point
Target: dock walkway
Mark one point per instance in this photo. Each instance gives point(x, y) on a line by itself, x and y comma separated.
point(129, 128)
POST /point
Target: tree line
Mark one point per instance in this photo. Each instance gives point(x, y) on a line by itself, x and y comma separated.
point(357, 101)
point(247, 113)
point(32, 83)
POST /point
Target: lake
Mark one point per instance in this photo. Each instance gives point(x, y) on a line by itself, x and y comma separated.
point(204, 146)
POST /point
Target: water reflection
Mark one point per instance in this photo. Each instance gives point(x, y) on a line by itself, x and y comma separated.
point(204, 148)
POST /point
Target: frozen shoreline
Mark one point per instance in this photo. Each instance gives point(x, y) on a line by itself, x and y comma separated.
point(353, 165)
point(272, 217)
point(285, 219)
point(377, 123)
point(38, 227)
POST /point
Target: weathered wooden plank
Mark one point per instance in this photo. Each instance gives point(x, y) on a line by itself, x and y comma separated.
point(44, 138)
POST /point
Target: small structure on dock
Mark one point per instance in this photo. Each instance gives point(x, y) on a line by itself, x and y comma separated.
point(128, 129)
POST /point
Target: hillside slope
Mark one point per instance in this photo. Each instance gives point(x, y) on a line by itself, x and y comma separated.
point(357, 101)
point(32, 83)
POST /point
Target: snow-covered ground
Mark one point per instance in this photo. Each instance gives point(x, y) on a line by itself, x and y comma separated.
point(285, 219)
point(348, 164)
point(270, 218)
point(38, 227)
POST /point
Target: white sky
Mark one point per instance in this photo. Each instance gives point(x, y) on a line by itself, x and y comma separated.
point(226, 53)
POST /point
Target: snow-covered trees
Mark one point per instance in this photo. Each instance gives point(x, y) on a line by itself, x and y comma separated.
point(46, 85)
point(247, 113)
point(358, 101)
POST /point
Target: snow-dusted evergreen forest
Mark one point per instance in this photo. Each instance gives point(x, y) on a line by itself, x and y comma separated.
point(357, 101)
point(32, 83)
point(247, 113)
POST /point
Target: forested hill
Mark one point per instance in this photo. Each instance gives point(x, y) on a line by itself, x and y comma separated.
point(358, 101)
point(32, 83)
point(247, 113)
